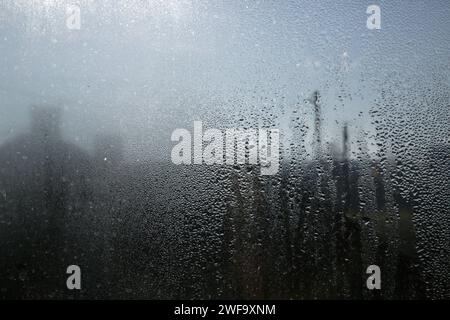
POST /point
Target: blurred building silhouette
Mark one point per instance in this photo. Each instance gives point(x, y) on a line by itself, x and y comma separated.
point(47, 191)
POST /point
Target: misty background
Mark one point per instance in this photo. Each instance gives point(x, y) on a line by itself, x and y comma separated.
point(144, 68)
point(86, 178)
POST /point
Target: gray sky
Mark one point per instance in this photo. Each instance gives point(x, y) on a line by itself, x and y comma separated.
point(144, 68)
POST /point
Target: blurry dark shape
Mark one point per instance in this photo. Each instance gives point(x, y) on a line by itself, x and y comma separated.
point(352, 229)
point(409, 283)
point(315, 101)
point(48, 198)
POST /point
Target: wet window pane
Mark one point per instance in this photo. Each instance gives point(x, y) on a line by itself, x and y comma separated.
point(222, 150)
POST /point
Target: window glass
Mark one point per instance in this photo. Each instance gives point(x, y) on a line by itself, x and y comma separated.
point(224, 149)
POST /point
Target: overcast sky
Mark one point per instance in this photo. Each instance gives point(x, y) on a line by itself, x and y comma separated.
point(143, 68)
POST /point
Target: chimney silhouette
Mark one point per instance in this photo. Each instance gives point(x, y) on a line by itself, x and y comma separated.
point(315, 101)
point(345, 143)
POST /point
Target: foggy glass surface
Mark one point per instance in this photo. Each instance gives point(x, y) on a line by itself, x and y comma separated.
point(86, 176)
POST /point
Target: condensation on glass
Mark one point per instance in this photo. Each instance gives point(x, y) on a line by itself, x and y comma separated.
point(88, 107)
